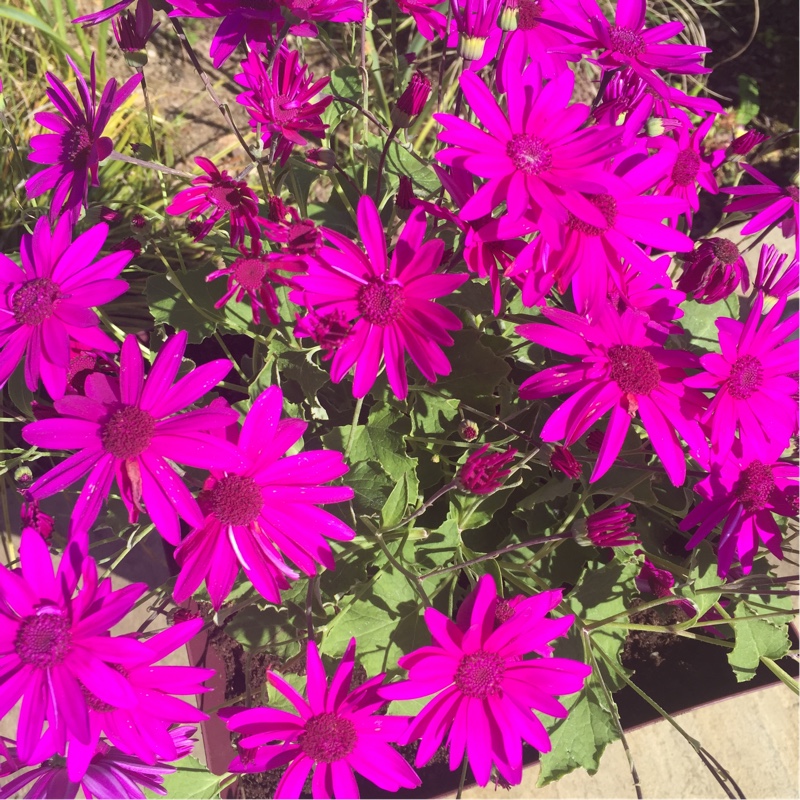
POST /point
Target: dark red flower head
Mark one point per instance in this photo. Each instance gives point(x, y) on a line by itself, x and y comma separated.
point(713, 271)
point(412, 101)
point(484, 473)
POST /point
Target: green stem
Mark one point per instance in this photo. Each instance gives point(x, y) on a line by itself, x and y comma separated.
point(353, 426)
point(463, 778)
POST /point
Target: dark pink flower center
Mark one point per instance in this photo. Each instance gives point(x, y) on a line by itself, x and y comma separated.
point(284, 108)
point(725, 250)
point(128, 432)
point(236, 500)
point(381, 303)
point(328, 738)
point(627, 41)
point(530, 12)
point(76, 144)
point(746, 376)
point(93, 701)
point(480, 674)
point(607, 206)
point(35, 301)
point(226, 195)
point(794, 193)
point(529, 153)
point(686, 167)
point(634, 369)
point(43, 639)
point(249, 273)
point(754, 487)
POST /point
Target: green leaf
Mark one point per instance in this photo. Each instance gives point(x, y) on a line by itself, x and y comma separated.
point(24, 18)
point(749, 101)
point(558, 486)
point(756, 638)
point(181, 307)
point(275, 629)
point(400, 161)
point(191, 781)
point(699, 320)
point(404, 494)
point(385, 618)
point(298, 365)
point(371, 484)
point(580, 739)
point(702, 575)
point(599, 594)
point(381, 440)
point(476, 371)
point(346, 82)
point(431, 413)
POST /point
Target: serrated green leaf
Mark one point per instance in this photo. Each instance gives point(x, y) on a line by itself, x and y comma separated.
point(271, 628)
point(431, 413)
point(580, 739)
point(191, 781)
point(755, 638)
point(700, 320)
point(404, 494)
point(346, 82)
point(558, 486)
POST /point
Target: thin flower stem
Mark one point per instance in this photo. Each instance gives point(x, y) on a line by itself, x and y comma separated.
point(382, 162)
point(222, 107)
point(312, 585)
point(368, 114)
point(619, 495)
point(353, 426)
point(423, 508)
point(495, 553)
point(115, 156)
point(660, 601)
point(228, 353)
point(463, 778)
point(413, 579)
point(149, 111)
point(9, 550)
point(278, 42)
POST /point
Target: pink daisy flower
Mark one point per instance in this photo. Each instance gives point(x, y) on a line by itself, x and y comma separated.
point(755, 370)
point(335, 733)
point(691, 166)
point(55, 644)
point(143, 730)
point(744, 491)
point(773, 204)
point(485, 691)
point(252, 275)
point(111, 774)
point(627, 43)
point(430, 22)
point(774, 278)
point(45, 303)
point(592, 255)
point(125, 429)
point(253, 21)
point(391, 300)
point(77, 145)
point(281, 105)
point(536, 159)
point(623, 371)
point(309, 13)
point(217, 195)
point(264, 511)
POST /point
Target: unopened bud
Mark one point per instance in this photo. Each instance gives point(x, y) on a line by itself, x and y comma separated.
point(321, 158)
point(509, 16)
point(23, 475)
point(468, 430)
point(411, 103)
point(471, 48)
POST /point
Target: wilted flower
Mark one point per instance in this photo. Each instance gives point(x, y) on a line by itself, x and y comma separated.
point(713, 271)
point(335, 733)
point(219, 194)
point(484, 474)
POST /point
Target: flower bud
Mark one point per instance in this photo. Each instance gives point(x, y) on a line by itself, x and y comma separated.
point(468, 430)
point(743, 144)
point(132, 33)
point(563, 461)
point(321, 158)
point(411, 103)
point(483, 472)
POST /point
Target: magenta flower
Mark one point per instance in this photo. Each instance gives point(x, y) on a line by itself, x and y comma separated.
point(125, 429)
point(429, 21)
point(309, 13)
point(713, 271)
point(691, 166)
point(111, 774)
point(252, 275)
point(132, 32)
point(743, 144)
point(626, 43)
point(335, 733)
point(143, 730)
point(535, 157)
point(772, 203)
point(77, 145)
point(590, 255)
point(562, 460)
point(217, 195)
point(281, 105)
point(484, 474)
point(412, 101)
point(475, 20)
point(774, 278)
point(744, 491)
point(45, 303)
point(607, 528)
point(485, 693)
point(623, 371)
point(55, 644)
point(252, 20)
point(392, 301)
point(265, 511)
point(755, 370)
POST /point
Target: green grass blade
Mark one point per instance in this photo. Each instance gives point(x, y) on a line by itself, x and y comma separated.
point(24, 18)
